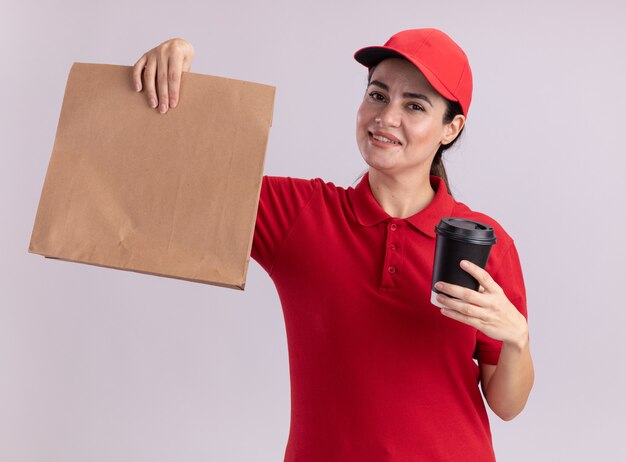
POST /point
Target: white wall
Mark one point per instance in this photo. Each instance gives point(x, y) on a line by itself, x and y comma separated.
point(102, 365)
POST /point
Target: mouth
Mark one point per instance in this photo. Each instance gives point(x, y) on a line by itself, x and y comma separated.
point(384, 138)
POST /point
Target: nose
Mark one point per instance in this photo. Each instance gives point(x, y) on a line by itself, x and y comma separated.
point(389, 116)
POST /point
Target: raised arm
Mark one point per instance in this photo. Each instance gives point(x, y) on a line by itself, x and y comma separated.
point(159, 70)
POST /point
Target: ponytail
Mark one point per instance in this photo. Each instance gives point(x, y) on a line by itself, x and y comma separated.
point(437, 168)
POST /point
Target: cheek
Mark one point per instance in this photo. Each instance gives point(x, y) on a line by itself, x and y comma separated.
point(360, 115)
point(425, 132)
point(362, 123)
point(361, 120)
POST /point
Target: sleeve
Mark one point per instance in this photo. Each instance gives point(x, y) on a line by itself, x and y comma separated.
point(281, 202)
point(508, 276)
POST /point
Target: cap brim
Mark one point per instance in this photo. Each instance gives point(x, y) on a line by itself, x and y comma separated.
point(371, 56)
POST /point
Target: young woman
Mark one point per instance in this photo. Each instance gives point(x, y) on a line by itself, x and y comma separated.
point(378, 373)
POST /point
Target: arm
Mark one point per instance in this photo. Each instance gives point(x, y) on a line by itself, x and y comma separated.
point(161, 69)
point(506, 386)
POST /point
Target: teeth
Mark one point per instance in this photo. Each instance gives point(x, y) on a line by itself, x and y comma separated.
point(384, 139)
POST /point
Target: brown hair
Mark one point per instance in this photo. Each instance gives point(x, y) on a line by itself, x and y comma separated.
point(453, 108)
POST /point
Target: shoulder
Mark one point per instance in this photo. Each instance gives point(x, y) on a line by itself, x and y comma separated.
point(504, 241)
point(287, 184)
point(301, 182)
point(504, 263)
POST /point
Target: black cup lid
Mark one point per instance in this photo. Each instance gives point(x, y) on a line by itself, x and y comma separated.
point(464, 230)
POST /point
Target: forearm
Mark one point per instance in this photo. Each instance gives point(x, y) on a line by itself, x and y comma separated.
point(507, 385)
point(511, 382)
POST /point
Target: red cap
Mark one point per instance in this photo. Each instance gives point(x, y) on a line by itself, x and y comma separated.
point(437, 56)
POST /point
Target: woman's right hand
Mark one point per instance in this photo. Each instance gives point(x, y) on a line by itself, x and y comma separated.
point(161, 69)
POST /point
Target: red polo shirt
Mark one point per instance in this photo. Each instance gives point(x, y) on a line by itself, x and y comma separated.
point(377, 372)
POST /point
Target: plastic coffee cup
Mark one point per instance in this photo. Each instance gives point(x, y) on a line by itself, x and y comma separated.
point(459, 239)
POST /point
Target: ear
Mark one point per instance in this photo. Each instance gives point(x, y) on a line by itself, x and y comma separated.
point(452, 130)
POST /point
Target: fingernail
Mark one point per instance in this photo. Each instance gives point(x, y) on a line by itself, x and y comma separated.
point(438, 285)
point(464, 264)
point(172, 102)
point(137, 87)
point(153, 103)
point(163, 108)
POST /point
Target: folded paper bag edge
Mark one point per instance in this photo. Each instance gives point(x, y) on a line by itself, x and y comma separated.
point(240, 285)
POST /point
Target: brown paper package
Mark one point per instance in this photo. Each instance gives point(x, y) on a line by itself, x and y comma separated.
point(172, 194)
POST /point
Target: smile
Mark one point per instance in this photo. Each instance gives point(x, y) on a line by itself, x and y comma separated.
point(384, 139)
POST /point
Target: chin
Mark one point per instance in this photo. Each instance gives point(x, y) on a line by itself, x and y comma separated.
point(380, 166)
point(379, 160)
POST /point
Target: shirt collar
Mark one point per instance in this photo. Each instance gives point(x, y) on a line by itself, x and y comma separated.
point(368, 211)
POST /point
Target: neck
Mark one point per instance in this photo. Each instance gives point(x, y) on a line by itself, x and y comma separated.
point(401, 197)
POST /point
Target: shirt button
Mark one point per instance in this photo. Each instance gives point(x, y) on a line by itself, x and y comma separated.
point(391, 269)
point(393, 226)
point(393, 247)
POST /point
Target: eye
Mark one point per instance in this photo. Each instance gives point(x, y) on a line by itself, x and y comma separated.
point(416, 107)
point(376, 96)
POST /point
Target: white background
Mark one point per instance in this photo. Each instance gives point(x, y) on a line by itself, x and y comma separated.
point(103, 365)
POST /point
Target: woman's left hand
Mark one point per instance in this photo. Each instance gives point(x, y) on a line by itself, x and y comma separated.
point(488, 309)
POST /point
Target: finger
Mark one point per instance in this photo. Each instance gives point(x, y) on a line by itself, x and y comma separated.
point(137, 71)
point(469, 320)
point(481, 275)
point(466, 309)
point(174, 77)
point(162, 87)
point(149, 74)
point(460, 292)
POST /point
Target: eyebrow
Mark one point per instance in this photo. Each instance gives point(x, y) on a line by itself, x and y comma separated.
point(385, 87)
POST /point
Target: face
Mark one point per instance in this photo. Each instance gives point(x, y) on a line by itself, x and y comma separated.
point(400, 121)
